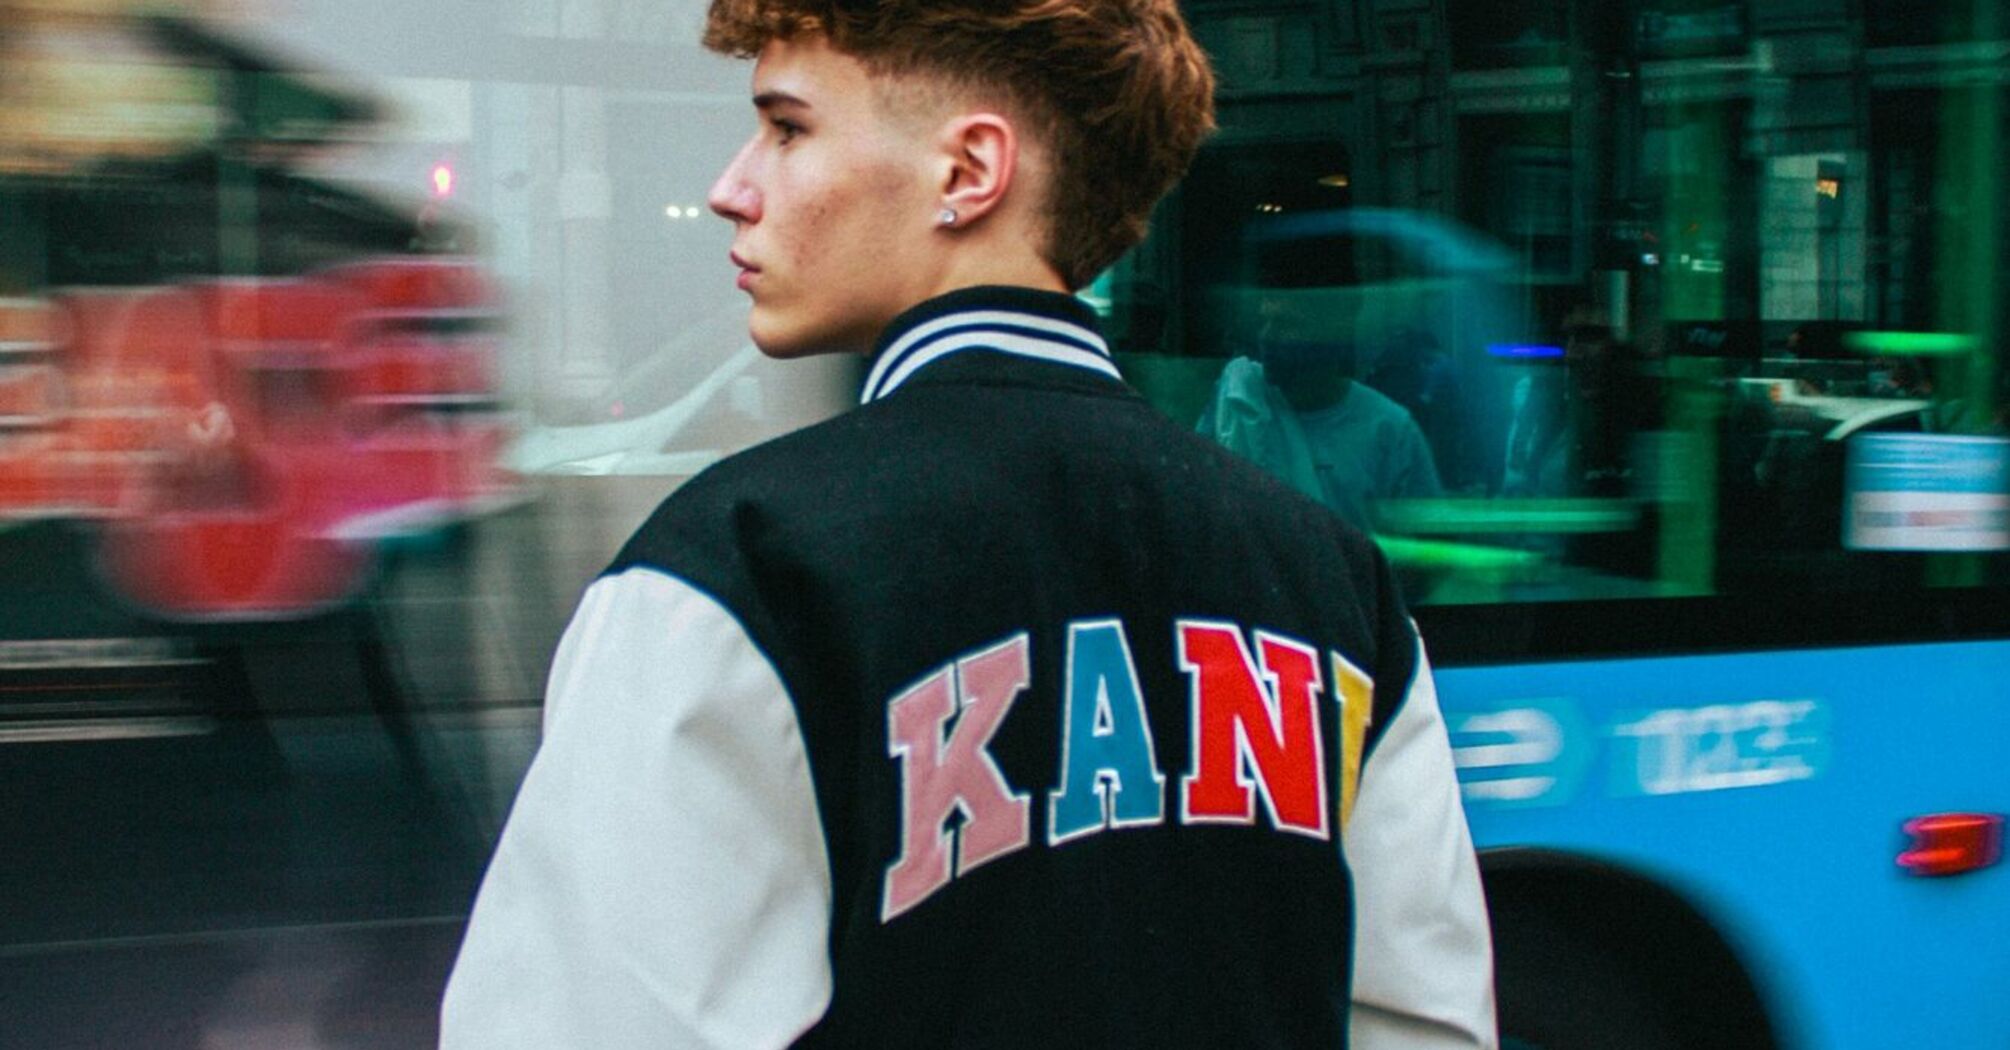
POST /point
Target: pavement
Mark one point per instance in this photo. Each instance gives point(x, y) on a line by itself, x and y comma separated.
point(219, 879)
point(268, 835)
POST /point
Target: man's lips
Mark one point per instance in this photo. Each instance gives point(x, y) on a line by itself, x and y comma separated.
point(747, 271)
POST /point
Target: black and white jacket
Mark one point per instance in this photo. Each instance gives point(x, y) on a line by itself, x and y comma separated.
point(997, 712)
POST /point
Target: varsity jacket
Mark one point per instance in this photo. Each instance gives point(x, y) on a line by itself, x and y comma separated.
point(996, 712)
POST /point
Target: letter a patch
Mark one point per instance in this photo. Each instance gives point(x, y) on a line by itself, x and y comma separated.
point(1109, 775)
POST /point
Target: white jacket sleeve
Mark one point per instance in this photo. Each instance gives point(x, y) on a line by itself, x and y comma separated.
point(1423, 955)
point(662, 879)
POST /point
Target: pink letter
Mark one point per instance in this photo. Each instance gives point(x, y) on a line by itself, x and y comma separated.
point(940, 776)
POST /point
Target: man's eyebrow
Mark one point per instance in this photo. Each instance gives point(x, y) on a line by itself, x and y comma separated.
point(767, 100)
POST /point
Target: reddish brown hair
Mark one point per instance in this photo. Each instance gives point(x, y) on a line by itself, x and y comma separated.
point(1116, 90)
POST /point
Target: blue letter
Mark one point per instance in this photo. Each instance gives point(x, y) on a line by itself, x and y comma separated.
point(1109, 775)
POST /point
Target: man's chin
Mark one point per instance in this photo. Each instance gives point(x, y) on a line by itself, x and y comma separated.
point(785, 349)
point(784, 344)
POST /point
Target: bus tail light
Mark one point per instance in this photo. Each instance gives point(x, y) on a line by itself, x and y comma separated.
point(1952, 843)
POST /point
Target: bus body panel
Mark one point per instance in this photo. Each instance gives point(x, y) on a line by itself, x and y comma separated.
point(1770, 790)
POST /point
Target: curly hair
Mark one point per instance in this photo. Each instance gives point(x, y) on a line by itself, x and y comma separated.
point(1116, 90)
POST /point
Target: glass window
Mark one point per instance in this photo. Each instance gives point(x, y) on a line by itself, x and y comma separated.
point(1635, 303)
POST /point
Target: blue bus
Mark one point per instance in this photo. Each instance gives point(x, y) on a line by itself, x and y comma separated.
point(1712, 628)
point(1712, 560)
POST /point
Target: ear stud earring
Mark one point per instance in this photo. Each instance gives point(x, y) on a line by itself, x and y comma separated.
point(948, 217)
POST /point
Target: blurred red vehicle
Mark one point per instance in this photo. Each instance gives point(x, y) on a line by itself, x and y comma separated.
point(243, 444)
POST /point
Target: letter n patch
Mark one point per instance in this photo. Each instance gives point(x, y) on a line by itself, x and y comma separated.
point(1255, 724)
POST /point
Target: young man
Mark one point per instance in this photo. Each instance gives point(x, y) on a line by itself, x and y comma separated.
point(1000, 711)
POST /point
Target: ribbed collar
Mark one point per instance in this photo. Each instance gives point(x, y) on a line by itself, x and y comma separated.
point(1026, 322)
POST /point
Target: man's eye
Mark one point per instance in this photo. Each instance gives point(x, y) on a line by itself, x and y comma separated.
point(785, 130)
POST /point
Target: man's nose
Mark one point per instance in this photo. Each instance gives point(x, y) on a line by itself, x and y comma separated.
point(733, 197)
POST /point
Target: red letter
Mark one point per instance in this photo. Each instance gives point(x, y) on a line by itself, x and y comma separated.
point(1239, 726)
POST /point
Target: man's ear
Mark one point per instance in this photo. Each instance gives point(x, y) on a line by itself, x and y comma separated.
point(981, 151)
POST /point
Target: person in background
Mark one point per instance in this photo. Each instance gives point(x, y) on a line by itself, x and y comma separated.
point(999, 711)
point(1573, 427)
point(1294, 408)
point(1415, 372)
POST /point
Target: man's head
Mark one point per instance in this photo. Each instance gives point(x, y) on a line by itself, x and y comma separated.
point(1306, 345)
point(975, 132)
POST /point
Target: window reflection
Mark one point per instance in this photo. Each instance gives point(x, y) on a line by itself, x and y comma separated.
point(1723, 250)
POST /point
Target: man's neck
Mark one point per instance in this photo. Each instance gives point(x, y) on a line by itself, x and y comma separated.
point(973, 268)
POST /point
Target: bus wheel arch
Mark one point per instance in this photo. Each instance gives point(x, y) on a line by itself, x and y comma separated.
point(1589, 954)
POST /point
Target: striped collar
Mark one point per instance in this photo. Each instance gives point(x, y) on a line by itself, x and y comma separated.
point(1024, 322)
